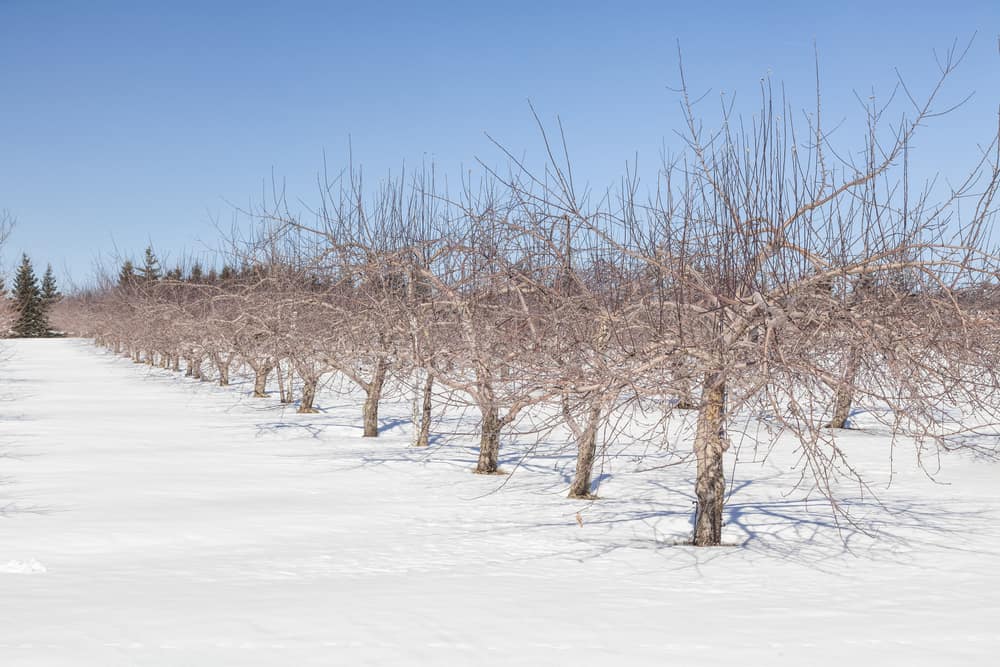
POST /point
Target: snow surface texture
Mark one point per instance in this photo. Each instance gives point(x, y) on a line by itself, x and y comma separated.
point(148, 519)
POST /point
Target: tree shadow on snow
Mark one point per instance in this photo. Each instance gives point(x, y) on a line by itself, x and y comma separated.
point(798, 529)
point(10, 508)
point(767, 516)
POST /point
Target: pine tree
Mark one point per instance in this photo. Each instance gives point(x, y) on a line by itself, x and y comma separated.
point(49, 296)
point(150, 271)
point(197, 275)
point(31, 320)
point(127, 277)
point(50, 292)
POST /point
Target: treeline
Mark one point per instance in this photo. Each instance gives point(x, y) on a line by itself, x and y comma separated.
point(130, 275)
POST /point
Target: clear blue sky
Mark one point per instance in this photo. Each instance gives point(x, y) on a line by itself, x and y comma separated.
point(128, 122)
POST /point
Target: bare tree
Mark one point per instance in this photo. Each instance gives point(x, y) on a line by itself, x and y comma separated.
point(766, 274)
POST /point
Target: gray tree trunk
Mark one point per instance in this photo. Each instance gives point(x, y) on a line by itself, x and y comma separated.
point(685, 396)
point(709, 446)
point(424, 434)
point(308, 396)
point(261, 372)
point(289, 396)
point(222, 363)
point(373, 397)
point(843, 397)
point(586, 453)
point(284, 390)
point(489, 441)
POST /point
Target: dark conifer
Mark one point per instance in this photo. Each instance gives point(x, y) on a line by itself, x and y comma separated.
point(150, 271)
point(31, 320)
point(127, 277)
point(50, 291)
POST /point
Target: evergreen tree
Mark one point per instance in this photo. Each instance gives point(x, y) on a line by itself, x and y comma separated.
point(150, 271)
point(197, 274)
point(127, 277)
point(50, 292)
point(31, 320)
point(227, 274)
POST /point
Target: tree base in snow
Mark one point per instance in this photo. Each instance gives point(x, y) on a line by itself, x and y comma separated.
point(498, 471)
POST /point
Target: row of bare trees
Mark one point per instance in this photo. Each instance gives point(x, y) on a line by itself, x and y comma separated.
point(763, 274)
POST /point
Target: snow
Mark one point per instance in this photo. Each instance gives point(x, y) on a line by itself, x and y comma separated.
point(21, 567)
point(149, 519)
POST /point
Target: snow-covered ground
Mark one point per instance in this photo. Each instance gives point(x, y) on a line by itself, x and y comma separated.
point(149, 519)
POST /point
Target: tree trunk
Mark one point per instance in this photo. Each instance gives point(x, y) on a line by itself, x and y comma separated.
point(586, 452)
point(709, 445)
point(489, 441)
point(284, 394)
point(843, 397)
point(260, 380)
point(685, 394)
point(308, 396)
point(424, 433)
point(371, 417)
point(685, 401)
point(222, 363)
point(196, 366)
point(374, 395)
point(419, 374)
point(176, 367)
point(289, 381)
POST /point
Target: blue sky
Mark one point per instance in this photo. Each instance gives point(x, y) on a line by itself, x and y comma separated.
point(123, 123)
